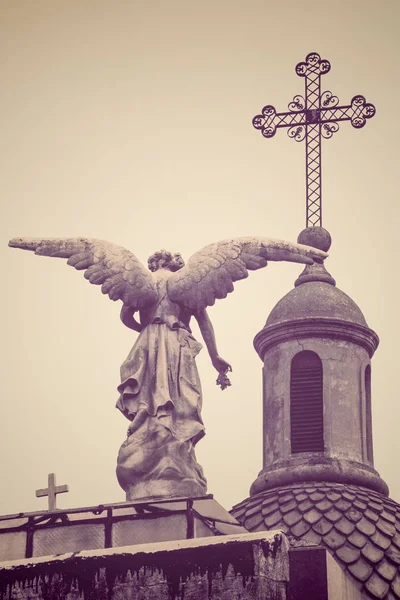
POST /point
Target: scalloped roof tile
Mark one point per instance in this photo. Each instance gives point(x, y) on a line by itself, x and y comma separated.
point(359, 527)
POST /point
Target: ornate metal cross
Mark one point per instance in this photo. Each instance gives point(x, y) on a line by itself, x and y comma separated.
point(51, 491)
point(309, 118)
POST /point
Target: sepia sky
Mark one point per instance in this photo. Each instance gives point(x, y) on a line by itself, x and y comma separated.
point(130, 121)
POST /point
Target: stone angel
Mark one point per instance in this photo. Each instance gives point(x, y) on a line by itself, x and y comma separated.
point(160, 391)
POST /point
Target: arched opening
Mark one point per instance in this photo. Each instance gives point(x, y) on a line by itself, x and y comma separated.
point(306, 403)
point(368, 413)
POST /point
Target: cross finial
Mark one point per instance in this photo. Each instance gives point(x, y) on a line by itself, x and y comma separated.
point(51, 491)
point(309, 118)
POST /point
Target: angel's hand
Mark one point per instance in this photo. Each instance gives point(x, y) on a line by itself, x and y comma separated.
point(277, 250)
point(223, 381)
point(221, 365)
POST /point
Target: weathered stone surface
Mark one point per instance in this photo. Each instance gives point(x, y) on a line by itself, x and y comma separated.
point(316, 298)
point(366, 527)
point(347, 450)
point(347, 554)
point(160, 386)
point(312, 516)
point(334, 539)
point(357, 539)
point(372, 553)
point(377, 586)
point(271, 519)
point(362, 542)
point(318, 237)
point(333, 515)
point(381, 540)
point(300, 529)
point(387, 570)
point(244, 567)
point(323, 526)
point(361, 570)
point(156, 464)
point(291, 518)
point(345, 526)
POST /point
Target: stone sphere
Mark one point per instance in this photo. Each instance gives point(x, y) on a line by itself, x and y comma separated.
point(316, 237)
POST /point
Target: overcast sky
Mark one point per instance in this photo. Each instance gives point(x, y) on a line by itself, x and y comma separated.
point(131, 122)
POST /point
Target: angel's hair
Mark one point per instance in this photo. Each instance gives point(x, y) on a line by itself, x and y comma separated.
point(163, 259)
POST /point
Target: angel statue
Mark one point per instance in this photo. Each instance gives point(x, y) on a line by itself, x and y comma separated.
point(160, 390)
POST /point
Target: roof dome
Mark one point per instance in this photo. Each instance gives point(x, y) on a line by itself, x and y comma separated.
point(315, 308)
point(315, 298)
point(315, 294)
point(358, 526)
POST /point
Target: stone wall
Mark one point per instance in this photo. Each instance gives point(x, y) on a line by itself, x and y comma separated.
point(246, 567)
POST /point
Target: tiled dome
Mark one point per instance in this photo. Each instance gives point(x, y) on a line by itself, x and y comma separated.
point(359, 527)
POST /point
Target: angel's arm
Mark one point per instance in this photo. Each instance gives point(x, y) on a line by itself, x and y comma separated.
point(207, 331)
point(129, 320)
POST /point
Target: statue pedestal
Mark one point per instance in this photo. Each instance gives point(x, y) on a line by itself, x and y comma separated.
point(154, 464)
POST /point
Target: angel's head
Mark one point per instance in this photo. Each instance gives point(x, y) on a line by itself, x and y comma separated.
point(162, 259)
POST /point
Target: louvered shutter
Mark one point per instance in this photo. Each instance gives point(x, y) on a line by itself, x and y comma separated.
point(306, 403)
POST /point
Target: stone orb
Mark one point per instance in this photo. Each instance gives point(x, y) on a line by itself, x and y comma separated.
point(316, 237)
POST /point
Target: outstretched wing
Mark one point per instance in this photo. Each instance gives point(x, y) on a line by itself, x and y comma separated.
point(120, 274)
point(210, 273)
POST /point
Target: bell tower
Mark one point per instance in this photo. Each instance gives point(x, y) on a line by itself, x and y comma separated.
point(318, 483)
point(316, 348)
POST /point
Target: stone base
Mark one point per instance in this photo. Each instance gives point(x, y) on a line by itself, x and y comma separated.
point(303, 468)
point(153, 464)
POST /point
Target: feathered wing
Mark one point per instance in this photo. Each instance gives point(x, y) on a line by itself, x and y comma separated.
point(210, 272)
point(119, 272)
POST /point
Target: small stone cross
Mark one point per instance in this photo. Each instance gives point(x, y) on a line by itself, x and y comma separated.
point(51, 491)
point(311, 117)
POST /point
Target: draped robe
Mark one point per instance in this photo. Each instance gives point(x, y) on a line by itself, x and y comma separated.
point(159, 378)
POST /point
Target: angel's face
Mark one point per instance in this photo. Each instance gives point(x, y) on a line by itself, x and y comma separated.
point(176, 262)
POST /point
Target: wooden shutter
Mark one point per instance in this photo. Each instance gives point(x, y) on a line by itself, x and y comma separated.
point(306, 403)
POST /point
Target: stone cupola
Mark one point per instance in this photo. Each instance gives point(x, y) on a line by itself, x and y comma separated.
point(316, 348)
point(318, 483)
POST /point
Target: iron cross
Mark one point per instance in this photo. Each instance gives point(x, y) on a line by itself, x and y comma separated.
point(309, 118)
point(51, 491)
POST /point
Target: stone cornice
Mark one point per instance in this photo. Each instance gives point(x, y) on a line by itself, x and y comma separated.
point(320, 469)
point(315, 327)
